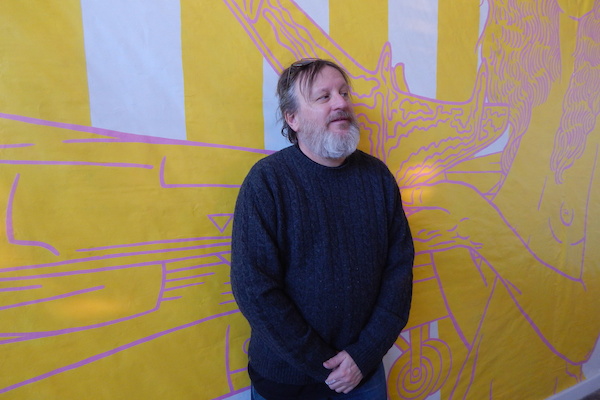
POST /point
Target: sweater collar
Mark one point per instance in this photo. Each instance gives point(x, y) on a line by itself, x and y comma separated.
point(303, 158)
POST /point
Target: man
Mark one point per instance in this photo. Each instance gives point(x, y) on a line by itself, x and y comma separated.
point(322, 253)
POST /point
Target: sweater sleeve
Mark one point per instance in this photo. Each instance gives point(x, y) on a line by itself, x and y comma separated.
point(257, 278)
point(391, 311)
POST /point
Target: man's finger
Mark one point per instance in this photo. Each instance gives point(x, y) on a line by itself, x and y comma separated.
point(334, 361)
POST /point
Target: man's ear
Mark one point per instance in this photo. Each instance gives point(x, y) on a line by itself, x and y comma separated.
point(292, 121)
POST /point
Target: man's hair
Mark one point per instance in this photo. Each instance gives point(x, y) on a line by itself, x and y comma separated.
point(304, 72)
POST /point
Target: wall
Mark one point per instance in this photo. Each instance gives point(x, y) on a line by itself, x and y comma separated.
point(126, 129)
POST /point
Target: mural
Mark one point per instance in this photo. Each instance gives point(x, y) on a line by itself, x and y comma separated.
point(114, 279)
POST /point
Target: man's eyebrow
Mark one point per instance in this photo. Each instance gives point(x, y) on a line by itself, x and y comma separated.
point(325, 89)
point(313, 91)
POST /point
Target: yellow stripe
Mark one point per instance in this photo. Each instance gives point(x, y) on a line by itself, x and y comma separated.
point(360, 28)
point(223, 77)
point(42, 67)
point(458, 30)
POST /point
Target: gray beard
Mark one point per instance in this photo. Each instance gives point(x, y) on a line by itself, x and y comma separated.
point(327, 144)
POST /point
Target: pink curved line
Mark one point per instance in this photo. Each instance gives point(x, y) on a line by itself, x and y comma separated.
point(96, 164)
point(9, 224)
point(16, 337)
point(194, 239)
point(108, 257)
point(11, 146)
point(543, 337)
point(111, 352)
point(18, 288)
point(184, 286)
point(188, 277)
point(123, 136)
point(254, 36)
point(474, 347)
point(57, 297)
point(227, 364)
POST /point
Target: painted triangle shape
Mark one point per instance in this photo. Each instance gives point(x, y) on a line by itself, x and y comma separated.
point(221, 221)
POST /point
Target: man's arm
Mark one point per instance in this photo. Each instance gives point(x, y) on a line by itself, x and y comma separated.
point(391, 311)
point(257, 279)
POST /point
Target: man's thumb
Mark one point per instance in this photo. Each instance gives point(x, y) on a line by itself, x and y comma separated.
point(332, 362)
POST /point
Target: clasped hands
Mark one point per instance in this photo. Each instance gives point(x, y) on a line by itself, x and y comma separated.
point(345, 374)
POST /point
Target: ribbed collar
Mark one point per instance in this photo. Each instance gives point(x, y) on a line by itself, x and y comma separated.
point(307, 162)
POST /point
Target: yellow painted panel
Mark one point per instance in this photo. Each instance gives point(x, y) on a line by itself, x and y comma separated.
point(458, 29)
point(349, 21)
point(223, 77)
point(42, 61)
point(115, 249)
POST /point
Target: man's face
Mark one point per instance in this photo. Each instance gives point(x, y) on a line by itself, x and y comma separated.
point(325, 120)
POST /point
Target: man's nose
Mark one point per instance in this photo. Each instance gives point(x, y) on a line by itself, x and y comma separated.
point(341, 102)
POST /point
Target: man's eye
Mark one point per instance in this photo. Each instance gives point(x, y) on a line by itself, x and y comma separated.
point(324, 97)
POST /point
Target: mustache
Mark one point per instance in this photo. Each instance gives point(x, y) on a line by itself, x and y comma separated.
point(342, 115)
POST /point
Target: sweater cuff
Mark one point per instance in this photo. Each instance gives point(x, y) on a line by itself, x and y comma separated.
point(366, 360)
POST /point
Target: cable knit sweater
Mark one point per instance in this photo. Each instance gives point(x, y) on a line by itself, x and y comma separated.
point(321, 262)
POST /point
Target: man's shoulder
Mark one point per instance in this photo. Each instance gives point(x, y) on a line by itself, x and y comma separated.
point(274, 161)
point(369, 160)
point(375, 168)
point(271, 166)
point(277, 156)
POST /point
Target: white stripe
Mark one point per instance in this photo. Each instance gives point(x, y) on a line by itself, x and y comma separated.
point(134, 66)
point(412, 27)
point(274, 140)
point(500, 143)
point(484, 9)
point(317, 10)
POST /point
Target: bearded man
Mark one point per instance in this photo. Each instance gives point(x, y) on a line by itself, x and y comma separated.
point(322, 253)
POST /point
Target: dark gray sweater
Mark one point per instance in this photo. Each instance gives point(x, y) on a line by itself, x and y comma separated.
point(321, 262)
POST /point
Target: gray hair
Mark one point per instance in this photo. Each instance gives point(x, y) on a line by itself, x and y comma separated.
point(305, 72)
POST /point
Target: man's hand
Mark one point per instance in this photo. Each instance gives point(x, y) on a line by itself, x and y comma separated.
point(345, 375)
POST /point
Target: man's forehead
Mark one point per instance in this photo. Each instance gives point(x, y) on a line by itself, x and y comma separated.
point(322, 81)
